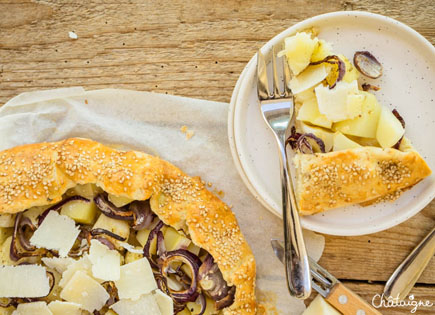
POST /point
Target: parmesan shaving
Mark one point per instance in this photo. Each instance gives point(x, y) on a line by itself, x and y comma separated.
point(63, 308)
point(34, 308)
point(57, 232)
point(106, 263)
point(83, 264)
point(136, 279)
point(24, 281)
point(145, 305)
point(166, 304)
point(57, 263)
point(85, 291)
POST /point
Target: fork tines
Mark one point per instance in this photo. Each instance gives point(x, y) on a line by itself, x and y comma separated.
point(263, 84)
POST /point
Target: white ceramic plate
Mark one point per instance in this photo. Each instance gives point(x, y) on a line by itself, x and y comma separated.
point(407, 84)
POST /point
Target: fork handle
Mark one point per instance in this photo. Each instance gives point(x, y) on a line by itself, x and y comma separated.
point(348, 302)
point(296, 259)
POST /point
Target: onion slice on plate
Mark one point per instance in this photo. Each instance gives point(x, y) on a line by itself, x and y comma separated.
point(340, 68)
point(402, 121)
point(367, 64)
point(308, 143)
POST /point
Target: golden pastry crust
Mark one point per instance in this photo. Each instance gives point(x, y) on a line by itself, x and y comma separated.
point(39, 174)
point(331, 180)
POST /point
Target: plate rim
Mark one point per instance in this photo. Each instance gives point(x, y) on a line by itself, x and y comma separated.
point(368, 229)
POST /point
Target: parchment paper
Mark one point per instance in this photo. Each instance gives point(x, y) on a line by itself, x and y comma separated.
point(151, 123)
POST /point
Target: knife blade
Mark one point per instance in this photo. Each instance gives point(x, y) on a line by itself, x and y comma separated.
point(335, 292)
point(406, 275)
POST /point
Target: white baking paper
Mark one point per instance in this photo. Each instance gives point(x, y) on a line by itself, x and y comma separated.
point(152, 123)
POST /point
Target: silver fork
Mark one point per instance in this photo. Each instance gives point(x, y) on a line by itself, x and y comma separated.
point(277, 109)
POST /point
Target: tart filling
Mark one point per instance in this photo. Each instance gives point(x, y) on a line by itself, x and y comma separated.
point(100, 252)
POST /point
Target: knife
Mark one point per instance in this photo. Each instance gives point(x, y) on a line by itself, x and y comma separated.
point(335, 292)
point(406, 275)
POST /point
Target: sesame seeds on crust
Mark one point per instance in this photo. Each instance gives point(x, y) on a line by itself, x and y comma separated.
point(38, 174)
point(335, 179)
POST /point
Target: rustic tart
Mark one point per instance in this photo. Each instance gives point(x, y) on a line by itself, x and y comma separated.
point(87, 229)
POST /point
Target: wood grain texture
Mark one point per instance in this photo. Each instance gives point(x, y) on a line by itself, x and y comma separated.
point(348, 302)
point(197, 49)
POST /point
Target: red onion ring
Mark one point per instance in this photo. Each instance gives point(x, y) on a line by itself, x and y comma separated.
point(334, 60)
point(220, 292)
point(227, 300)
point(193, 262)
point(15, 251)
point(146, 250)
point(367, 64)
point(306, 147)
point(112, 211)
point(105, 241)
point(202, 302)
point(293, 138)
point(143, 216)
point(402, 121)
point(99, 231)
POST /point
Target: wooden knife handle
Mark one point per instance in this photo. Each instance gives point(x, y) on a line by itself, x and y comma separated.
point(348, 302)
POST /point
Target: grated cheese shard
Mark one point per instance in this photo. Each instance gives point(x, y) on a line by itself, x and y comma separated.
point(83, 264)
point(63, 308)
point(57, 232)
point(24, 281)
point(85, 291)
point(145, 305)
point(165, 303)
point(34, 308)
point(136, 279)
point(106, 263)
point(57, 263)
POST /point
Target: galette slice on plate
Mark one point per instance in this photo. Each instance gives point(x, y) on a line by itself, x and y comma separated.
point(349, 149)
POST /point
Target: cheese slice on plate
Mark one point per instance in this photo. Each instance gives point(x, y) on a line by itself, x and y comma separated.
point(63, 308)
point(34, 308)
point(57, 263)
point(24, 281)
point(333, 103)
point(85, 291)
point(166, 304)
point(106, 263)
point(311, 76)
point(83, 264)
point(145, 305)
point(57, 232)
point(136, 279)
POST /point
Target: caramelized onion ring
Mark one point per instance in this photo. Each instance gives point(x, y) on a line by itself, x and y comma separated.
point(193, 262)
point(112, 211)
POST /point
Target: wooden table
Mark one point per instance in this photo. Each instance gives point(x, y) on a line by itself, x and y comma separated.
point(196, 49)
